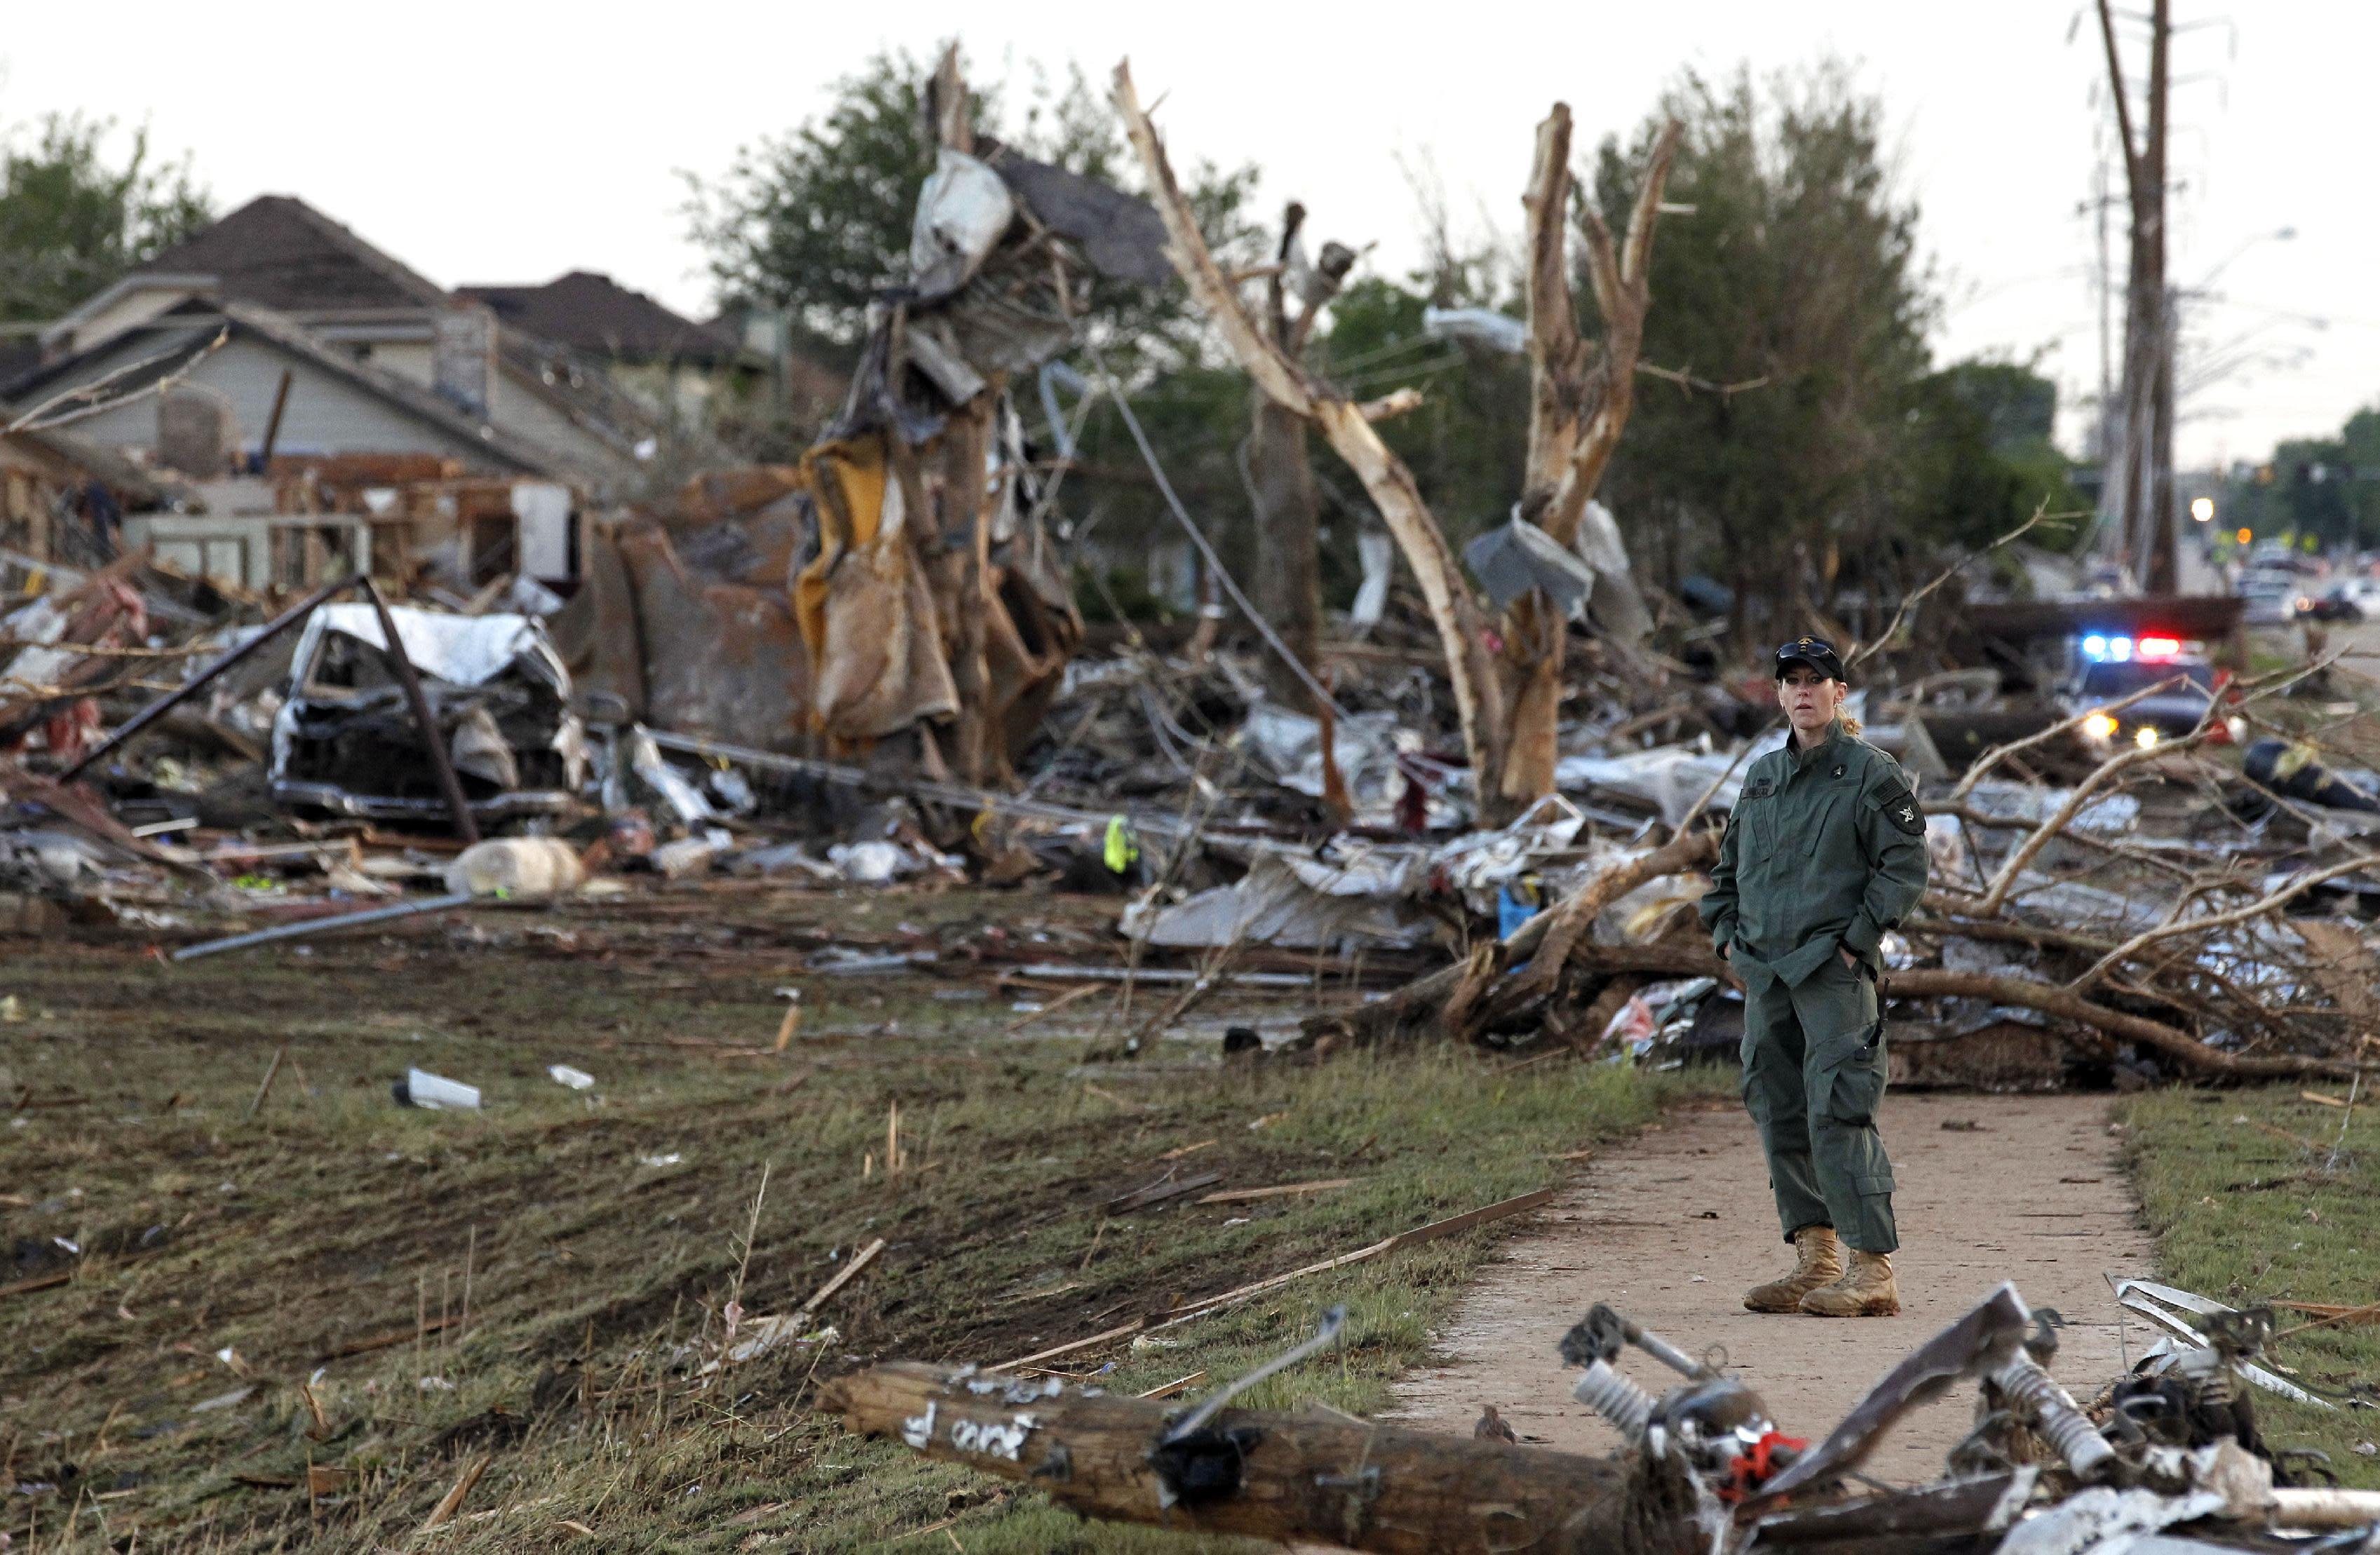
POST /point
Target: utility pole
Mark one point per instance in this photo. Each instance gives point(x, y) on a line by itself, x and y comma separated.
point(2101, 198)
point(2146, 494)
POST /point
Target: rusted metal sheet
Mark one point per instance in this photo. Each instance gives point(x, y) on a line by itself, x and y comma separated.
point(723, 660)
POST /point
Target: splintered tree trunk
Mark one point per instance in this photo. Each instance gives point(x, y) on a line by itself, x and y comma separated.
point(1580, 400)
point(1289, 570)
point(1568, 453)
point(1312, 1477)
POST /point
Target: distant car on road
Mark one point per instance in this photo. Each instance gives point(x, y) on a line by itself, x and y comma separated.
point(2109, 667)
point(2269, 600)
point(2356, 599)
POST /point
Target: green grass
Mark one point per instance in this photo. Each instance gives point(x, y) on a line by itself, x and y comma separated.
point(596, 1279)
point(2246, 1216)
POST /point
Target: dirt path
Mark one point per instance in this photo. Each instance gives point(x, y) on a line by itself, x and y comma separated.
point(1674, 1227)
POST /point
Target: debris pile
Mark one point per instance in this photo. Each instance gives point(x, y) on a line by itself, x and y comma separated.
point(866, 668)
point(2169, 1452)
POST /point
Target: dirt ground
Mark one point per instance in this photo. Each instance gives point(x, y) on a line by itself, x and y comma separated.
point(1675, 1227)
point(193, 1260)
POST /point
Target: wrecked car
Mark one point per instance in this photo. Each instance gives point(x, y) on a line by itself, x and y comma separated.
point(343, 742)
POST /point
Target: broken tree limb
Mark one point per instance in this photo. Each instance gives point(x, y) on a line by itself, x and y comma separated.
point(1317, 1477)
point(1431, 999)
point(1622, 295)
point(1567, 922)
point(1461, 625)
point(1999, 753)
point(2273, 901)
point(1273, 373)
point(1389, 405)
point(2013, 869)
point(1909, 601)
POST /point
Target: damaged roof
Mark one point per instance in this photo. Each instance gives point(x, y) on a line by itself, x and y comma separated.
point(1121, 235)
point(280, 251)
point(592, 314)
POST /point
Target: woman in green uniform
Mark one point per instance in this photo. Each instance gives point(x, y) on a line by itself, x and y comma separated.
point(1823, 853)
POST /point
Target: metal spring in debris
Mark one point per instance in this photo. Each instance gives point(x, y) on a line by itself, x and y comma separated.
point(1617, 1399)
point(2068, 1428)
point(2215, 1388)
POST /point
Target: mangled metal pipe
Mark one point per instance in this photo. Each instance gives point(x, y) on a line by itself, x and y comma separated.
point(467, 826)
point(207, 676)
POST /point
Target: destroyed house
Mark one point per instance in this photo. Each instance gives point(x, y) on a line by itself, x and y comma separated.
point(64, 500)
point(670, 362)
point(380, 360)
point(326, 408)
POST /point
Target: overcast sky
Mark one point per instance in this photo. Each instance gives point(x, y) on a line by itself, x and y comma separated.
point(499, 142)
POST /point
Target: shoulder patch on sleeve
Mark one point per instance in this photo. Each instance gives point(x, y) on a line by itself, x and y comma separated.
point(1900, 806)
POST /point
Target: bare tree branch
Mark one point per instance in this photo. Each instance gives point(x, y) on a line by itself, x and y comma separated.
point(1461, 624)
point(31, 421)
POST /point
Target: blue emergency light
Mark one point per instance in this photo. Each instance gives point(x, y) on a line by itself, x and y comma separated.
point(2101, 648)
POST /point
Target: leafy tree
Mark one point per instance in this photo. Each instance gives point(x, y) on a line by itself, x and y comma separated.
point(2322, 489)
point(1796, 286)
point(816, 220)
point(72, 221)
point(1978, 456)
point(1464, 444)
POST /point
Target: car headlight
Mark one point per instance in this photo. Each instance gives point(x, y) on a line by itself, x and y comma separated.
point(2100, 726)
point(2146, 737)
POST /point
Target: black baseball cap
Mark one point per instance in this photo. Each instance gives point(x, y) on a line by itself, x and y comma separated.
point(1816, 652)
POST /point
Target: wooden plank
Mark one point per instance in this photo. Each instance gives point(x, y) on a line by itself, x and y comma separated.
point(1282, 1190)
point(1157, 1192)
point(1109, 1337)
point(394, 1336)
point(849, 1272)
point(1431, 1232)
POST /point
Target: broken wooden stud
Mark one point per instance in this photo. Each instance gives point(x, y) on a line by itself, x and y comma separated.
point(453, 1499)
point(265, 1088)
point(842, 1277)
point(433, 745)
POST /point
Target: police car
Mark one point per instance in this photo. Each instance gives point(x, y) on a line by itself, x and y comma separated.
point(2106, 667)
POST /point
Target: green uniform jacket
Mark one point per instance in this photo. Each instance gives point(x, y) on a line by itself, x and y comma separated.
point(1824, 851)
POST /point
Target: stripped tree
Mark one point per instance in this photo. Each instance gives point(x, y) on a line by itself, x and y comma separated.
point(1280, 478)
point(1507, 672)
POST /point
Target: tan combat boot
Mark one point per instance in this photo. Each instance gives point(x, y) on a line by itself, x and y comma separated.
point(1865, 1290)
point(1817, 1257)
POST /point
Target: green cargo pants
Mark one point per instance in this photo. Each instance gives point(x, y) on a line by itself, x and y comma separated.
point(1813, 1071)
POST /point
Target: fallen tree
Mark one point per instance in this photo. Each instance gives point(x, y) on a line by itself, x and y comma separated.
point(1694, 960)
point(1445, 1000)
point(1319, 1476)
point(2222, 961)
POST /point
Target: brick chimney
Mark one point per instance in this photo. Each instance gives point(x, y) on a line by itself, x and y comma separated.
point(463, 347)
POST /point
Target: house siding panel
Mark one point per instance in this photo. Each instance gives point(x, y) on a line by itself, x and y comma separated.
point(323, 415)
